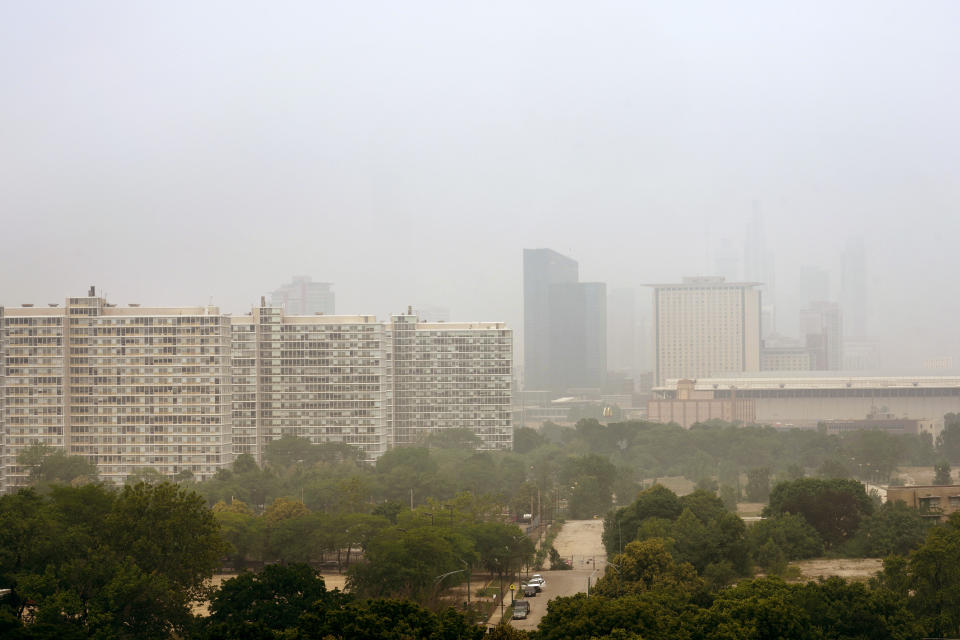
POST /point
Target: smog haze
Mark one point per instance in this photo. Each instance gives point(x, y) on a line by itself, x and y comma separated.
point(178, 153)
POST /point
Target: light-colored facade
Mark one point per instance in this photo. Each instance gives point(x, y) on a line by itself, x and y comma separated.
point(706, 326)
point(689, 406)
point(932, 501)
point(887, 423)
point(34, 403)
point(450, 375)
point(127, 388)
point(821, 324)
point(805, 401)
point(786, 359)
point(188, 388)
point(318, 377)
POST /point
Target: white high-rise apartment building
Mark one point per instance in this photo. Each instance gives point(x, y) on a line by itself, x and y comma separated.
point(188, 388)
point(127, 388)
point(318, 377)
point(450, 375)
point(704, 327)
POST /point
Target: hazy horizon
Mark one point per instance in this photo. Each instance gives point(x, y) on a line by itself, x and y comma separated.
point(175, 153)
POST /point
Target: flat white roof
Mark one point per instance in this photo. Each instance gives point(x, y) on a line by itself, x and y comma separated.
point(816, 380)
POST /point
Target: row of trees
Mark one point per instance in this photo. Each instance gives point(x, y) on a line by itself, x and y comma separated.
point(722, 452)
point(583, 468)
point(805, 518)
point(92, 562)
point(404, 551)
point(330, 478)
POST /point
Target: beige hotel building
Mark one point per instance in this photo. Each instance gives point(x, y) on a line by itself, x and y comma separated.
point(705, 326)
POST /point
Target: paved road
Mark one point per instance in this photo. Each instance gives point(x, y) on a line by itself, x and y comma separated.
point(579, 539)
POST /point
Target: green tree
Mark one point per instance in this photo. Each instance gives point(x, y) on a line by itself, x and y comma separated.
point(789, 533)
point(107, 564)
point(874, 454)
point(462, 438)
point(728, 495)
point(648, 566)
point(621, 525)
point(934, 570)
point(49, 465)
point(833, 507)
point(948, 442)
point(942, 473)
point(894, 528)
point(647, 615)
point(526, 440)
point(828, 610)
point(273, 599)
point(169, 531)
point(758, 484)
point(591, 477)
point(407, 563)
point(387, 619)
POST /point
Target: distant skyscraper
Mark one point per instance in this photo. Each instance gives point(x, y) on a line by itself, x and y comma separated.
point(853, 289)
point(822, 328)
point(303, 296)
point(564, 322)
point(704, 327)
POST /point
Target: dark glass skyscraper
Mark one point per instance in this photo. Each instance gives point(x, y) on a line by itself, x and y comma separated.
point(564, 324)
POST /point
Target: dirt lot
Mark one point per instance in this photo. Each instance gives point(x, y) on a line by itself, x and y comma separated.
point(860, 569)
point(580, 540)
point(915, 475)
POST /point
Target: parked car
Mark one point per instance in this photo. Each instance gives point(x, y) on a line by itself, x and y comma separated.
point(530, 590)
point(536, 583)
point(521, 608)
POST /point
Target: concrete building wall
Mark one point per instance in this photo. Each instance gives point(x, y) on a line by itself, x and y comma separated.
point(34, 406)
point(808, 412)
point(785, 359)
point(128, 389)
point(451, 376)
point(806, 401)
point(936, 502)
point(686, 413)
point(705, 327)
point(317, 377)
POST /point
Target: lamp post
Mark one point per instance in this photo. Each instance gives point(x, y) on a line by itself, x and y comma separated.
point(620, 531)
point(469, 577)
point(437, 580)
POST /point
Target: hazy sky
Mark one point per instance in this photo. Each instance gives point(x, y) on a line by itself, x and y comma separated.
point(170, 152)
